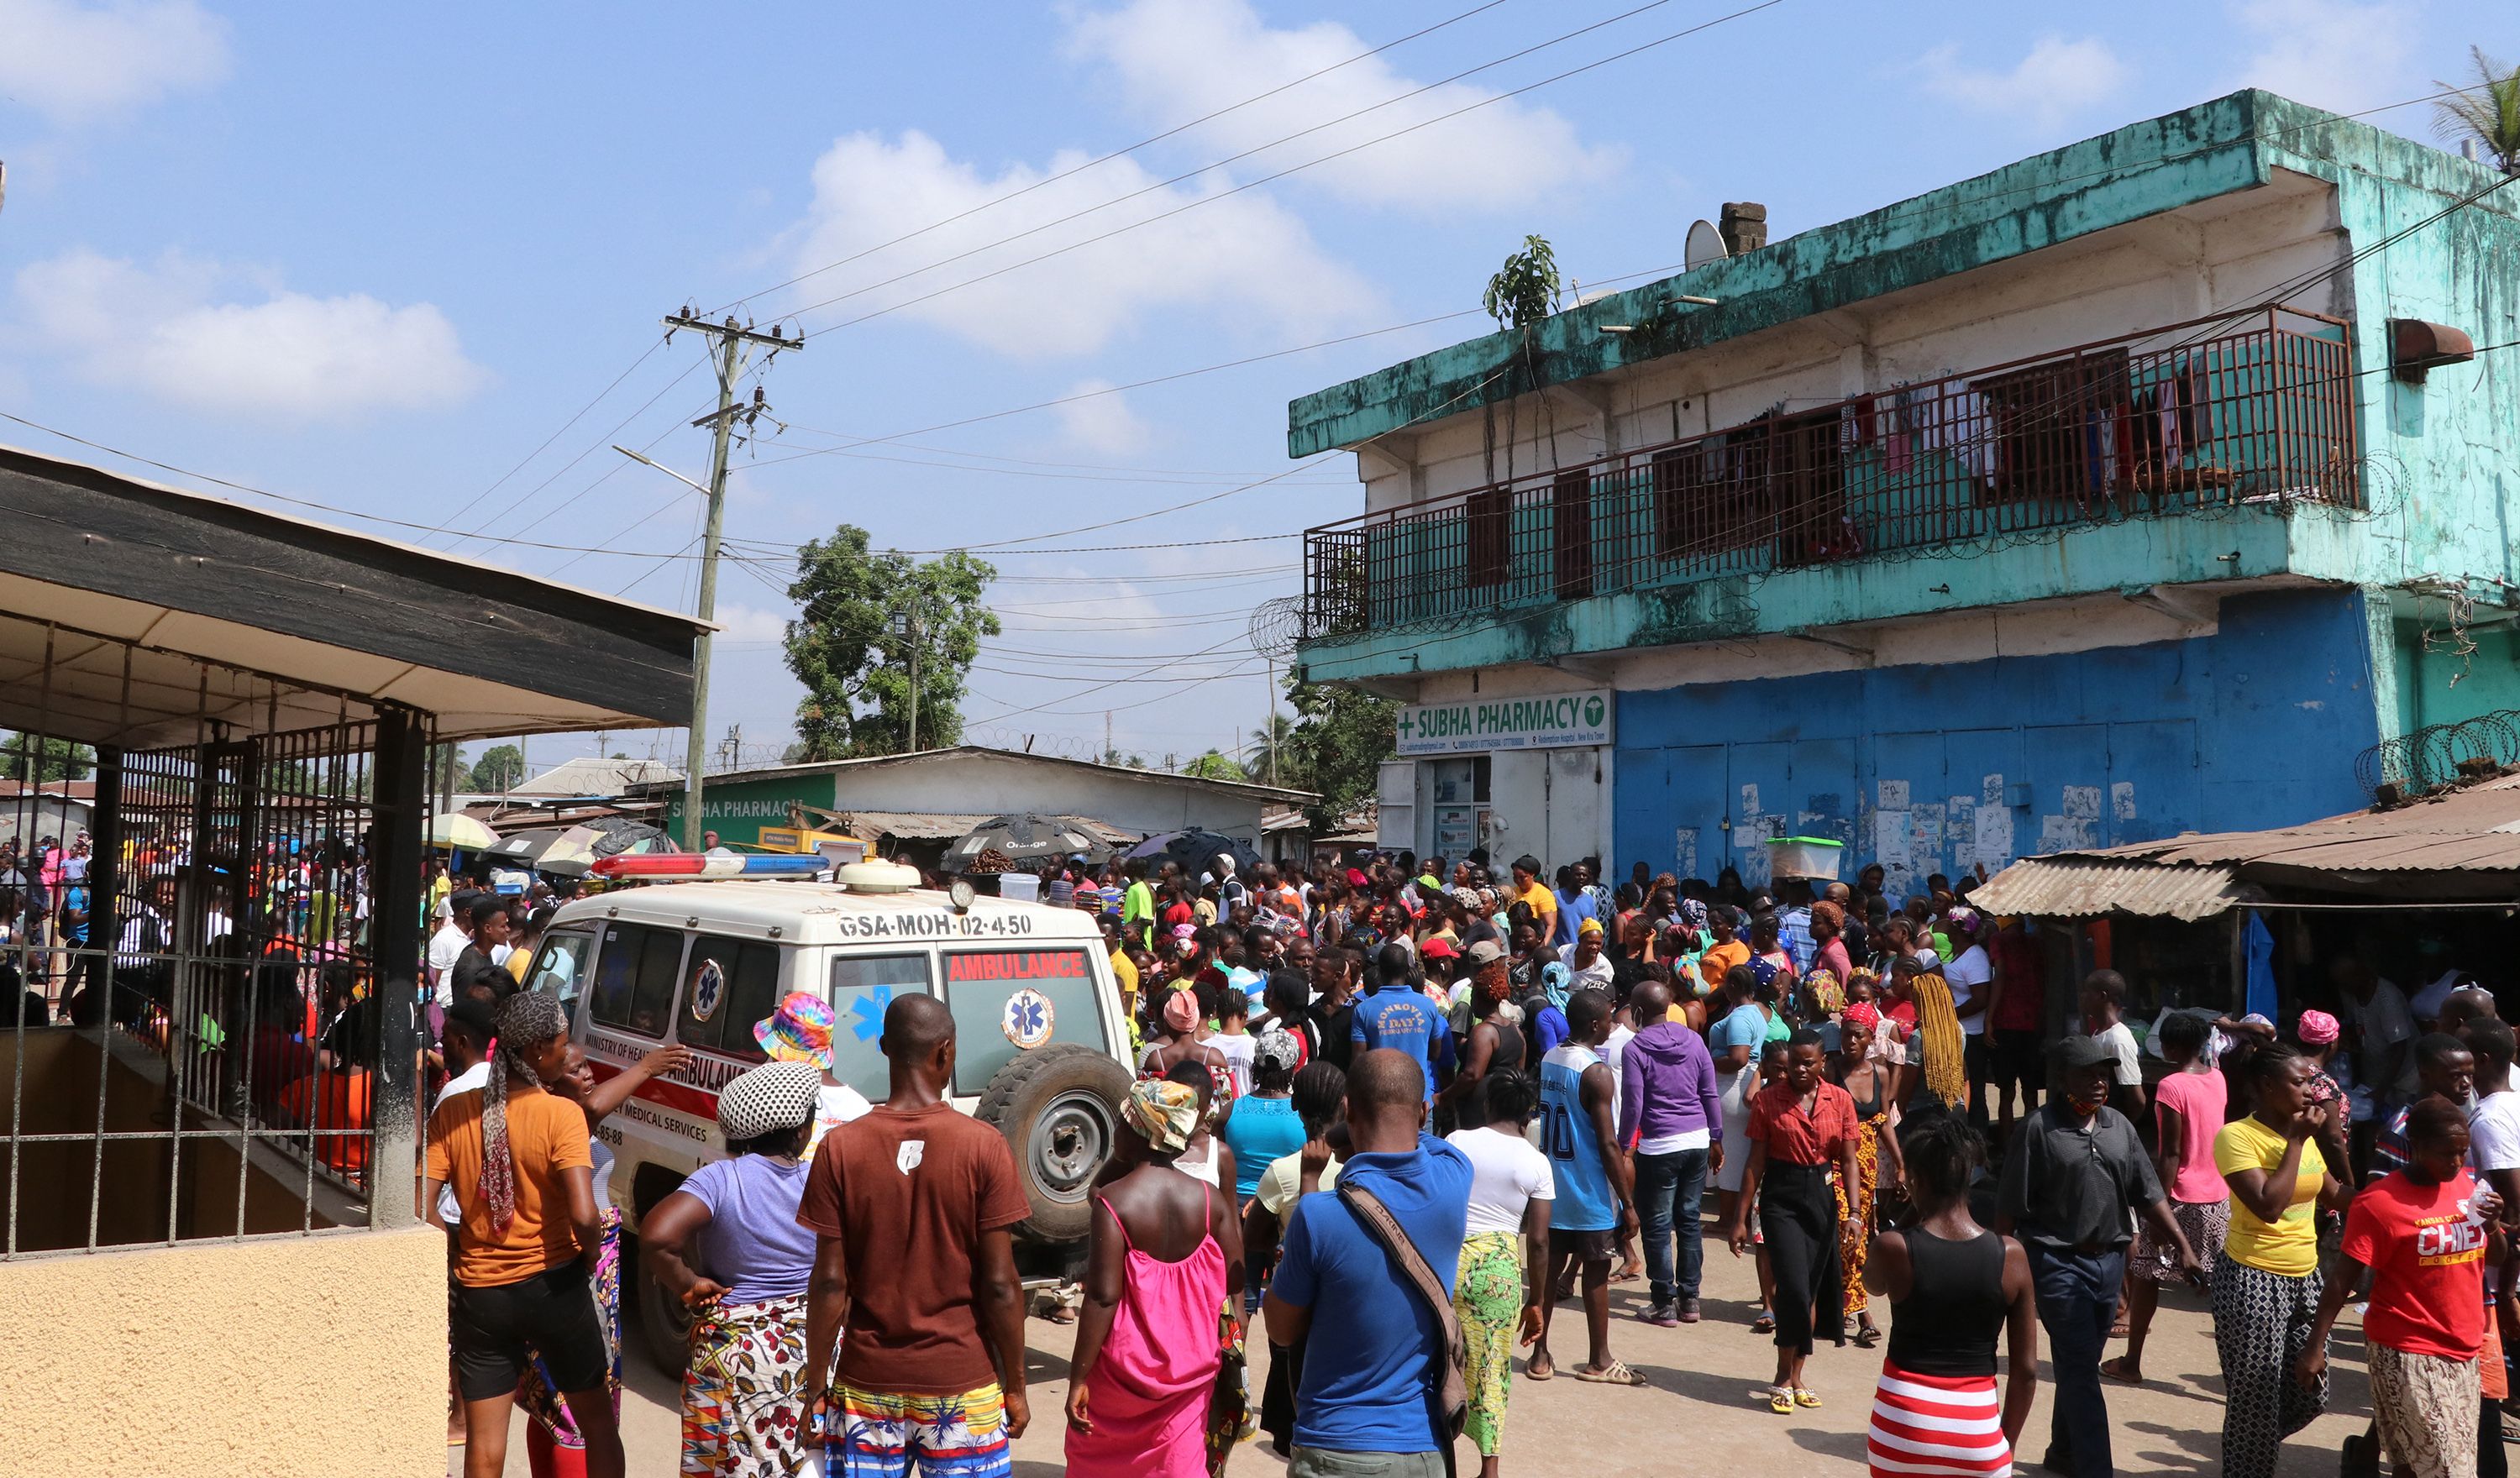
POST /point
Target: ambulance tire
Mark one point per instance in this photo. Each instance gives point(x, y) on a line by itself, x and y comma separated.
point(1059, 1107)
point(664, 1325)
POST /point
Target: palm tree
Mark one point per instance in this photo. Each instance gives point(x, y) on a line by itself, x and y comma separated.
point(2487, 111)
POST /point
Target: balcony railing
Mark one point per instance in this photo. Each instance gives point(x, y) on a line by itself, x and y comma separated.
point(2210, 414)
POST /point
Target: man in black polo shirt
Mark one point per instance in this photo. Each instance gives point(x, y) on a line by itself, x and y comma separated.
point(2075, 1172)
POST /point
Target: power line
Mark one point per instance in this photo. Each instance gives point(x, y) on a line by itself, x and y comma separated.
point(477, 498)
point(1231, 190)
point(1054, 179)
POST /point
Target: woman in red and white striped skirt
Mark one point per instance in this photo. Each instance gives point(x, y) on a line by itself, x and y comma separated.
point(1953, 1286)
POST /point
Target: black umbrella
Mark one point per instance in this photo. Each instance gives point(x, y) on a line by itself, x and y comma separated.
point(1195, 851)
point(1024, 838)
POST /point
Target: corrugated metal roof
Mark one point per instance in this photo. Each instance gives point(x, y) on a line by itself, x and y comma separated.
point(2069, 887)
point(946, 825)
point(2473, 829)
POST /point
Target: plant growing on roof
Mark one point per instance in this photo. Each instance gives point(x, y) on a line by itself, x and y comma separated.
point(1525, 289)
point(2487, 110)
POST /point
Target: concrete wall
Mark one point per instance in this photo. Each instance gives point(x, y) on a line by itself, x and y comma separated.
point(315, 1355)
point(1936, 767)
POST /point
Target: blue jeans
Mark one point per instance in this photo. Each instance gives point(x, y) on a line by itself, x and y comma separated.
point(2078, 1298)
point(1668, 1188)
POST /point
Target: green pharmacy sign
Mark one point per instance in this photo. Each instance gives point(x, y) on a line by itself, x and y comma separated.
point(1476, 725)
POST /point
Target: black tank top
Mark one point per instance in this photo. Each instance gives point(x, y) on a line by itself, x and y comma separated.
point(1955, 1306)
point(1508, 1057)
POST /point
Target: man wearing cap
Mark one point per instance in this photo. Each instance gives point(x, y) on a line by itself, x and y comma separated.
point(2075, 1173)
point(800, 1031)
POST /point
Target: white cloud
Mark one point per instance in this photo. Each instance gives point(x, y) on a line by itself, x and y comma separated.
point(1182, 58)
point(77, 62)
point(2057, 79)
point(1103, 422)
point(166, 332)
point(1242, 253)
point(2329, 53)
point(750, 624)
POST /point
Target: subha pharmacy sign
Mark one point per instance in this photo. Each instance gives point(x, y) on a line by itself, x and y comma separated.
point(1547, 721)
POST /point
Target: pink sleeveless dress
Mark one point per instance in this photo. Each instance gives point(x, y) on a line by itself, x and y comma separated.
point(1151, 1384)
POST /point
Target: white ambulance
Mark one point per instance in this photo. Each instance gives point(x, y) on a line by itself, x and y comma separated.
point(1042, 1049)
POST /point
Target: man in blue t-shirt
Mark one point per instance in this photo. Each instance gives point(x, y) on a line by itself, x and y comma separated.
point(1575, 904)
point(1366, 1406)
point(1394, 1013)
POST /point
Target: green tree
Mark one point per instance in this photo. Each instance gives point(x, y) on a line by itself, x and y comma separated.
point(1525, 289)
point(499, 767)
point(1270, 753)
point(1340, 738)
point(2486, 110)
point(52, 760)
point(863, 617)
point(1214, 765)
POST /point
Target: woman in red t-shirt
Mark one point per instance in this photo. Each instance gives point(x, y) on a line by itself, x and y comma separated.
point(2422, 1234)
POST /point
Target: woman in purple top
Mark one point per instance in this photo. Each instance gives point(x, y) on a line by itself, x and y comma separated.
point(1671, 1113)
point(728, 1244)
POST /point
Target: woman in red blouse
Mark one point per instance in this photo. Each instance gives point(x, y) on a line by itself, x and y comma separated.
point(1801, 1127)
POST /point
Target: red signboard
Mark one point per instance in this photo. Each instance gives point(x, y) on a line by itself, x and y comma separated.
point(1016, 964)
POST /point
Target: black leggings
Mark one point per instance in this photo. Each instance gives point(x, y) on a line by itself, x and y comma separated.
point(1799, 1216)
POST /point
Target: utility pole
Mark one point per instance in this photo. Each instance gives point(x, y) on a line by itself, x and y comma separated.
point(906, 624)
point(1108, 754)
point(734, 340)
point(1271, 729)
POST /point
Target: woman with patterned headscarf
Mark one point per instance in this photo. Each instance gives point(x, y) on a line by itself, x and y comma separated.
point(516, 1156)
point(1872, 1084)
point(1163, 1261)
point(726, 1244)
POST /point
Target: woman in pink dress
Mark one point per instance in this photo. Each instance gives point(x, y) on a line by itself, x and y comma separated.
point(1165, 1260)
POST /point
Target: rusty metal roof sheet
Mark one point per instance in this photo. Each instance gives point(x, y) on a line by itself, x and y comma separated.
point(2082, 886)
point(2472, 829)
point(946, 825)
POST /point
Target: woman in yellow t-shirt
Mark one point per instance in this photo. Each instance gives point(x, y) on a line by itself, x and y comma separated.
point(2266, 1282)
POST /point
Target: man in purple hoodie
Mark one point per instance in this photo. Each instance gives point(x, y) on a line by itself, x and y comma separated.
point(1667, 1111)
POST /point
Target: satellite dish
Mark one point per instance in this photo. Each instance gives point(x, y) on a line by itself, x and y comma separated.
point(1705, 244)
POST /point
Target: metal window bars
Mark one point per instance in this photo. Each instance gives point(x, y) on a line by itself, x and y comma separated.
point(2212, 412)
point(195, 1034)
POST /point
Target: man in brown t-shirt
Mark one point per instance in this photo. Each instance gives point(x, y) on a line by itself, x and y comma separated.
point(914, 1206)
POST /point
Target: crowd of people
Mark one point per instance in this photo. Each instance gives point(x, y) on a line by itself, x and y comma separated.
point(1398, 1119)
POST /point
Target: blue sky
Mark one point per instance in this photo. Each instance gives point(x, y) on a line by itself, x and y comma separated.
point(374, 259)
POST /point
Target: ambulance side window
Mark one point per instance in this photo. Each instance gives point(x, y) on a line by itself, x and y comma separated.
point(634, 978)
point(728, 984)
point(862, 990)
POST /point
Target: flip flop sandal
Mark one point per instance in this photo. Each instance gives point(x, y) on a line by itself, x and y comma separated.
point(1550, 1373)
point(1867, 1336)
point(1780, 1399)
point(1616, 1373)
point(1764, 1323)
point(1804, 1397)
point(2115, 1369)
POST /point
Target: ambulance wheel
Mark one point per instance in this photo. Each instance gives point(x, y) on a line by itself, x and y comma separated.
point(1060, 1108)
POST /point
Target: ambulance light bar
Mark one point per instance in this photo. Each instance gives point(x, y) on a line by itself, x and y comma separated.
point(664, 865)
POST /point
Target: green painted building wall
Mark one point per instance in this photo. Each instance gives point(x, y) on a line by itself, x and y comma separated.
point(738, 810)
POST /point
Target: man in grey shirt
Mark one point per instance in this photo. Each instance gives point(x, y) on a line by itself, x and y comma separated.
point(2075, 1172)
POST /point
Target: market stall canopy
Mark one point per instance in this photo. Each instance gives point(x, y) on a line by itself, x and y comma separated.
point(1195, 851)
point(2456, 846)
point(162, 615)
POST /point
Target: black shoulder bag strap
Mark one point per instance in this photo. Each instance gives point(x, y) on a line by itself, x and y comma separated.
point(1453, 1394)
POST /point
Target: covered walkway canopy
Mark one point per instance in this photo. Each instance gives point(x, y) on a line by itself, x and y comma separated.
point(2456, 845)
point(220, 1033)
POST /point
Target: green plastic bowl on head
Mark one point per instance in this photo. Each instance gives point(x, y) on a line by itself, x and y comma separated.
point(1811, 856)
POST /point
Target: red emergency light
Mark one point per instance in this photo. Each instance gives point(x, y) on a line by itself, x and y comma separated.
point(659, 865)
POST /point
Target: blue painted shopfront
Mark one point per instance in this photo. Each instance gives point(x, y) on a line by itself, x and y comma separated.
point(1931, 768)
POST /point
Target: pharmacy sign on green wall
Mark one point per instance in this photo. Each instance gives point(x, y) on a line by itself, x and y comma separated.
point(1475, 726)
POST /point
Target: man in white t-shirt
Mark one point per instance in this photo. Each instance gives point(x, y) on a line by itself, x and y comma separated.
point(1971, 977)
point(2384, 1058)
point(448, 944)
point(2105, 999)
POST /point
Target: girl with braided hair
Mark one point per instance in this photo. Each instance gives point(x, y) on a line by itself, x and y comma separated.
point(515, 1157)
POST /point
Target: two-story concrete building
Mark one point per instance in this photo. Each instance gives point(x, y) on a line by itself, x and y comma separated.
point(2139, 487)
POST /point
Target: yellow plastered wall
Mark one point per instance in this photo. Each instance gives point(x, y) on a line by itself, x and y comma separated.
point(309, 1354)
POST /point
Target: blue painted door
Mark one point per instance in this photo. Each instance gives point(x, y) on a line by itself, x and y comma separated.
point(1762, 784)
point(1698, 775)
point(1826, 791)
point(1641, 817)
point(2069, 785)
point(2156, 783)
point(1907, 774)
point(1981, 764)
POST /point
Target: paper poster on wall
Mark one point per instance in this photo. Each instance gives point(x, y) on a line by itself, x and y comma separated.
point(2122, 801)
point(1994, 823)
point(1893, 794)
point(1685, 851)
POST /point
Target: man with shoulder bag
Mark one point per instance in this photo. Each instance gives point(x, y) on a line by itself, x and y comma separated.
point(1369, 1270)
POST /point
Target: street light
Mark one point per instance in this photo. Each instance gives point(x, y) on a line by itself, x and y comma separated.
point(695, 747)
